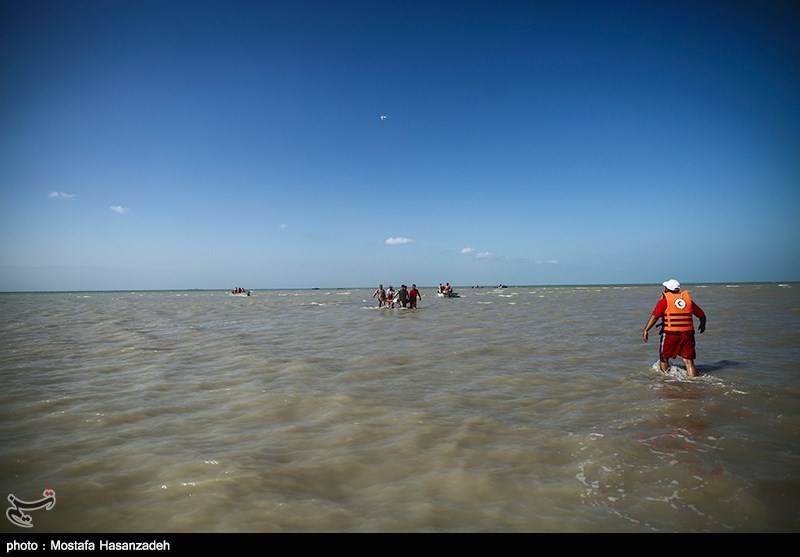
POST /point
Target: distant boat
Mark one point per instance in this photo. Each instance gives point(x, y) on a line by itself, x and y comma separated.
point(241, 293)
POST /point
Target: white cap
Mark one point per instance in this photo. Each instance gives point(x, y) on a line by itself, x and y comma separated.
point(672, 284)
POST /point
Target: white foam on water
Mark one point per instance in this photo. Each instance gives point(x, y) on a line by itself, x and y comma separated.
point(674, 372)
point(678, 373)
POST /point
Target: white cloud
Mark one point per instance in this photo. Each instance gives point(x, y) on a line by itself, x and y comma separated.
point(61, 195)
point(398, 240)
point(548, 262)
point(282, 226)
point(119, 209)
point(483, 254)
point(467, 250)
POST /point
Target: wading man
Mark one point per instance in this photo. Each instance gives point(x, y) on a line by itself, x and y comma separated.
point(676, 310)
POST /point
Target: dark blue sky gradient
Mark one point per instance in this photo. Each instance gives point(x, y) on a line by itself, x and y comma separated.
point(526, 143)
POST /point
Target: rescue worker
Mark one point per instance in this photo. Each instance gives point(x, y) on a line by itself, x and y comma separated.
point(676, 310)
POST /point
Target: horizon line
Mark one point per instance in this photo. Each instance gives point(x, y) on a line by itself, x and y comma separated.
point(501, 285)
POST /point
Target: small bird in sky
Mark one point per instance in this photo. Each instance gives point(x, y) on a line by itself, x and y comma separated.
point(383, 117)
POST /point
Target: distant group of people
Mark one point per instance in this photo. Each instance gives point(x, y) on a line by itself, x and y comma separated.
point(239, 290)
point(446, 289)
point(403, 297)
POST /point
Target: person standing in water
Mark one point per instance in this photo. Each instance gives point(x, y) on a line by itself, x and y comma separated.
point(380, 293)
point(402, 296)
point(390, 296)
point(413, 296)
point(676, 310)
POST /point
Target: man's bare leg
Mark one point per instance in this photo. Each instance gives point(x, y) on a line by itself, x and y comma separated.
point(691, 370)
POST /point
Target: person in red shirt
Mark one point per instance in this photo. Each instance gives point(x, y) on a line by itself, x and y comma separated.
point(675, 309)
point(413, 295)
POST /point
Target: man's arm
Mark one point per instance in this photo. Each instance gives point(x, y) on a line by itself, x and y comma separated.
point(650, 323)
point(701, 315)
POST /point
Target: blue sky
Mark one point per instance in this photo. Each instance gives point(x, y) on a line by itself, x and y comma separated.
point(174, 144)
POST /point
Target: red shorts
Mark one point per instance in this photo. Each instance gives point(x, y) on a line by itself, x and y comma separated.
point(673, 345)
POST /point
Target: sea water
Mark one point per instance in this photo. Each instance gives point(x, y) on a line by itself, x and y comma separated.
point(521, 409)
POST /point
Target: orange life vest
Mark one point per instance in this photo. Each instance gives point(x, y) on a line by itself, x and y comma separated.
point(678, 317)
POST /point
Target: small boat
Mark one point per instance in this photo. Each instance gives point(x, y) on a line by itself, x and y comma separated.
point(448, 294)
point(242, 293)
